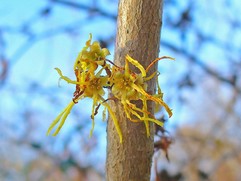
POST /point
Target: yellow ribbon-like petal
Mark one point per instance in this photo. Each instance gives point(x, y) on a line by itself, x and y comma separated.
point(137, 64)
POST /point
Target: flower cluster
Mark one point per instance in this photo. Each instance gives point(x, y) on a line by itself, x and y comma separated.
point(94, 73)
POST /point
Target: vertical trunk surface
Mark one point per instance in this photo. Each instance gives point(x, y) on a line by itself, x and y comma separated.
point(138, 34)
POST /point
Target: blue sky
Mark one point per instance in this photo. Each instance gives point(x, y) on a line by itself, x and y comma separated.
point(32, 82)
point(37, 63)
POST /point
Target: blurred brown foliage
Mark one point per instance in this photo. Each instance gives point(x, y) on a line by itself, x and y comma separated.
point(203, 87)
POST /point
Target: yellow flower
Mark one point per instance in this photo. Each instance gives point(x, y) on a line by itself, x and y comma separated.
point(89, 83)
point(91, 56)
point(129, 86)
point(125, 85)
point(93, 87)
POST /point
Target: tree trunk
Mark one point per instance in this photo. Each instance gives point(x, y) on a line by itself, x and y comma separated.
point(139, 24)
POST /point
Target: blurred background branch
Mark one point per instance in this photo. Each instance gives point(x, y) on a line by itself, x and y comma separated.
point(202, 86)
